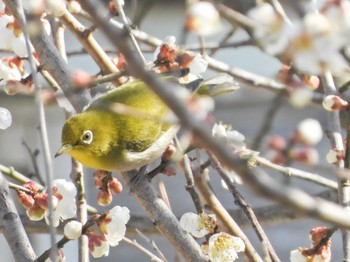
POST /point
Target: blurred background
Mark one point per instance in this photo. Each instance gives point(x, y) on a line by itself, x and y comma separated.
point(245, 110)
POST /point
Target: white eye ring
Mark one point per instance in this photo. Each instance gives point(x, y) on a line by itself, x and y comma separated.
point(87, 137)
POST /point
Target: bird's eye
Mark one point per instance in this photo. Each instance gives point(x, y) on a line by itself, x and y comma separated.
point(87, 137)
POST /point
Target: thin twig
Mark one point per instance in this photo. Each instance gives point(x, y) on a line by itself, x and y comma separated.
point(248, 211)
point(19, 188)
point(226, 221)
point(11, 172)
point(90, 44)
point(129, 31)
point(290, 171)
point(33, 156)
point(158, 169)
point(268, 120)
point(78, 177)
point(236, 18)
point(152, 244)
point(185, 166)
point(223, 42)
point(163, 192)
point(142, 249)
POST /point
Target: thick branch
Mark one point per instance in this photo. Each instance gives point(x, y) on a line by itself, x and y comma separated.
point(12, 227)
point(164, 220)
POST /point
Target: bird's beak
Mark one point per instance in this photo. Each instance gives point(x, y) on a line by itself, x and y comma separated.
point(63, 149)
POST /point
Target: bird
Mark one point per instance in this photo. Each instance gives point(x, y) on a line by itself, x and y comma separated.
point(121, 130)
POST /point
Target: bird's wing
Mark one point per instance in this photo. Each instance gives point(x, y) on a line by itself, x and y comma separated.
point(154, 151)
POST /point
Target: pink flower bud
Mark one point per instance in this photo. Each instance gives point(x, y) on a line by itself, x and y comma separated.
point(335, 155)
point(27, 201)
point(31, 185)
point(308, 156)
point(81, 78)
point(115, 186)
point(312, 82)
point(169, 152)
point(334, 103)
point(169, 171)
point(99, 175)
point(277, 143)
point(104, 197)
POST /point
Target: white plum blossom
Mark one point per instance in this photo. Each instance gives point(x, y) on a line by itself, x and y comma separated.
point(198, 225)
point(55, 7)
point(9, 71)
point(6, 33)
point(116, 229)
point(233, 137)
point(296, 256)
point(66, 208)
point(38, 7)
point(312, 43)
point(203, 18)
point(98, 245)
point(270, 29)
point(309, 131)
point(223, 247)
point(321, 254)
point(108, 232)
point(5, 118)
point(2, 7)
point(12, 38)
point(300, 97)
point(198, 65)
point(72, 230)
point(315, 46)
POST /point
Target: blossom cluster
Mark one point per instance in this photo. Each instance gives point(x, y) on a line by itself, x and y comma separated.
point(103, 230)
point(312, 44)
point(37, 206)
point(220, 247)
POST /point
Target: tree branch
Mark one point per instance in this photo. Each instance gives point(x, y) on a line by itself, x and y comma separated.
point(12, 227)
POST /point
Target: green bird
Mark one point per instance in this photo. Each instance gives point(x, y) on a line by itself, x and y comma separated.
point(125, 128)
point(122, 130)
